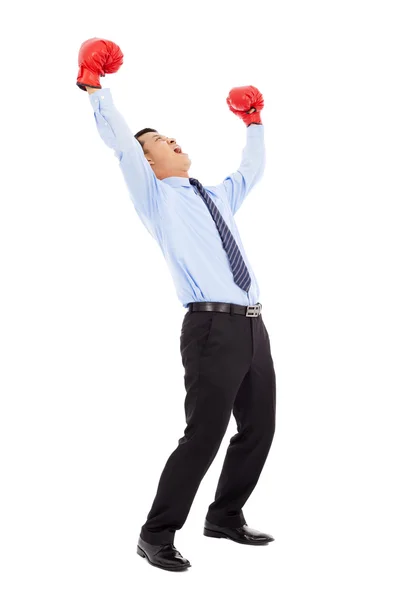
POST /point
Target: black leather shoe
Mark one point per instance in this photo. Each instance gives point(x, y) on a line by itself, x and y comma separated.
point(164, 556)
point(243, 534)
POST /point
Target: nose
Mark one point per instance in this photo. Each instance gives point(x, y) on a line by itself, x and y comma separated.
point(171, 141)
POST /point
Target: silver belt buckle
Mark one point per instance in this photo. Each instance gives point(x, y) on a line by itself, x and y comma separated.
point(254, 311)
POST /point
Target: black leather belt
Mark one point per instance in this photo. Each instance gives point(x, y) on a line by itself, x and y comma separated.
point(234, 309)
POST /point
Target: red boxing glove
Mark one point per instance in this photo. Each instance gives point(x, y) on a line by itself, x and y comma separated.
point(243, 99)
point(96, 58)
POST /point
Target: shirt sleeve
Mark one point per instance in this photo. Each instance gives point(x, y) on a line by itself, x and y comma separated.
point(143, 186)
point(239, 184)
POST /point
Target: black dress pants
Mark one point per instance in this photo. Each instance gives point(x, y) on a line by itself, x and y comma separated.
point(228, 368)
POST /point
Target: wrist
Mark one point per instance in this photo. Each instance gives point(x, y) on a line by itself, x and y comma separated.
point(91, 90)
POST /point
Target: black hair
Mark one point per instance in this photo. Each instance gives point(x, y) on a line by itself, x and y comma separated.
point(141, 132)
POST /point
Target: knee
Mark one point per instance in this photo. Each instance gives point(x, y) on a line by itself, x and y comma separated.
point(265, 430)
point(207, 435)
point(212, 433)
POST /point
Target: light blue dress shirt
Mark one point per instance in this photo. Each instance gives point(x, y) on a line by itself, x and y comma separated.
point(178, 218)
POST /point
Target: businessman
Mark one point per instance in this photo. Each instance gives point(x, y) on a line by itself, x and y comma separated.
point(224, 343)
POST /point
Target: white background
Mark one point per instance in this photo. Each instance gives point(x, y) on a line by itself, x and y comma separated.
point(91, 380)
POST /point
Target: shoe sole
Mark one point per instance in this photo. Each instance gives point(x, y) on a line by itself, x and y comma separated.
point(143, 554)
point(218, 534)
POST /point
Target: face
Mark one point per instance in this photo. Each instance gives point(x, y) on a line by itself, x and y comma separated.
point(165, 156)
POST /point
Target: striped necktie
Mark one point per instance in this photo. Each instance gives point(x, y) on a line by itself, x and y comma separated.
point(241, 275)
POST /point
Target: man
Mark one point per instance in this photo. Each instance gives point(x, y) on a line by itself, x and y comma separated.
point(224, 343)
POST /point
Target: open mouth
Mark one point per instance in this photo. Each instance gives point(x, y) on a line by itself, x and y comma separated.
point(178, 150)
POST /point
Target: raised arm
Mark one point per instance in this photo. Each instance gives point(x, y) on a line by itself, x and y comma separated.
point(143, 186)
point(246, 102)
point(239, 184)
point(111, 125)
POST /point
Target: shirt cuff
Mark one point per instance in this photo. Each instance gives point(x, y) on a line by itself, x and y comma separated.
point(102, 96)
point(255, 131)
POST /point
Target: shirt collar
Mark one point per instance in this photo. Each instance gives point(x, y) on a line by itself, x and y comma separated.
point(177, 181)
